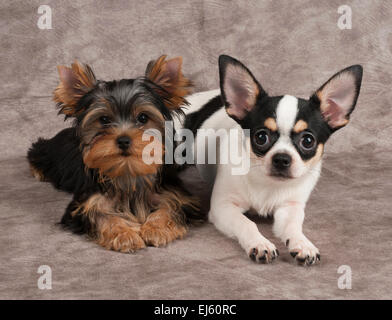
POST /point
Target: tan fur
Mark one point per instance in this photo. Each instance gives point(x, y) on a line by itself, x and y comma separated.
point(115, 228)
point(37, 174)
point(74, 83)
point(300, 126)
point(105, 156)
point(173, 201)
point(317, 157)
point(97, 203)
point(118, 234)
point(270, 123)
point(168, 75)
point(161, 228)
point(166, 224)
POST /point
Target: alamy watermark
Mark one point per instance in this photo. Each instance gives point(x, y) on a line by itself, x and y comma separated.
point(345, 20)
point(45, 20)
point(345, 280)
point(213, 147)
point(45, 280)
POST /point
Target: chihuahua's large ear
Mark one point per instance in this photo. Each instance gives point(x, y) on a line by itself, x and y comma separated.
point(74, 83)
point(167, 74)
point(339, 95)
point(239, 88)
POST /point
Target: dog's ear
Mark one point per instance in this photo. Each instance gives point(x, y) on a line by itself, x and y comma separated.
point(339, 95)
point(239, 88)
point(167, 74)
point(74, 83)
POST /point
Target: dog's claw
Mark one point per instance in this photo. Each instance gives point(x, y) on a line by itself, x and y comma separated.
point(263, 253)
point(253, 254)
point(303, 251)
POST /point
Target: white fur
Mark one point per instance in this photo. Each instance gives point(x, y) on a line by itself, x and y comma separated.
point(235, 194)
point(286, 113)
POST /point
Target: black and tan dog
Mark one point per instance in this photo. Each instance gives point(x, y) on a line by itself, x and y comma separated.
point(119, 200)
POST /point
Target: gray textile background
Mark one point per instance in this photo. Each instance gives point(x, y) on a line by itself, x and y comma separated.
point(291, 47)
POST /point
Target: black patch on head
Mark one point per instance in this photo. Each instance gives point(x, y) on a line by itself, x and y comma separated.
point(254, 121)
point(195, 120)
point(309, 111)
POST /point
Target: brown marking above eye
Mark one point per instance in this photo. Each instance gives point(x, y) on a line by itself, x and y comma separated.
point(300, 126)
point(270, 123)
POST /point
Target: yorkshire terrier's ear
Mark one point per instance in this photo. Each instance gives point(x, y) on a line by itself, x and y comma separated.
point(74, 83)
point(167, 74)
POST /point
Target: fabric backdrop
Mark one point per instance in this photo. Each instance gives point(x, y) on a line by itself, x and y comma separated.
point(291, 47)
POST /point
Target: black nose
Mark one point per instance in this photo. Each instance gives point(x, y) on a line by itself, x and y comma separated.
point(123, 142)
point(281, 161)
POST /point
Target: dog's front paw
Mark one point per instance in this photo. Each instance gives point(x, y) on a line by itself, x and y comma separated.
point(302, 250)
point(118, 234)
point(158, 236)
point(126, 241)
point(160, 229)
point(263, 252)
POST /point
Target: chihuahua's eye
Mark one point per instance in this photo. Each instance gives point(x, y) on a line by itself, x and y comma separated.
point(262, 138)
point(142, 118)
point(104, 120)
point(307, 141)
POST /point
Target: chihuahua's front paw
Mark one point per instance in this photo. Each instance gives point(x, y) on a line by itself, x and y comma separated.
point(302, 250)
point(263, 252)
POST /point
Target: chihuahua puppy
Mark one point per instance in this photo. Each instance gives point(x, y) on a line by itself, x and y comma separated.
point(285, 143)
point(119, 200)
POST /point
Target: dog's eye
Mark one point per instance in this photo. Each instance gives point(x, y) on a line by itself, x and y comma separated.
point(307, 141)
point(104, 120)
point(142, 118)
point(262, 138)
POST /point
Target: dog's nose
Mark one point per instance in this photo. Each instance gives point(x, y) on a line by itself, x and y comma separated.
point(123, 142)
point(281, 161)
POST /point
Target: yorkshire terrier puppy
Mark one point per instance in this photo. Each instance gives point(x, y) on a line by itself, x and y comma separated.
point(119, 200)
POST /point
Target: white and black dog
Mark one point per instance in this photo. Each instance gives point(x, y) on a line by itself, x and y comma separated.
point(285, 141)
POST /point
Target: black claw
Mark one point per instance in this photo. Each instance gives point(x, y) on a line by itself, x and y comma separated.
point(301, 260)
point(263, 258)
point(253, 254)
point(266, 251)
point(310, 261)
point(287, 242)
point(293, 254)
point(318, 257)
point(277, 252)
